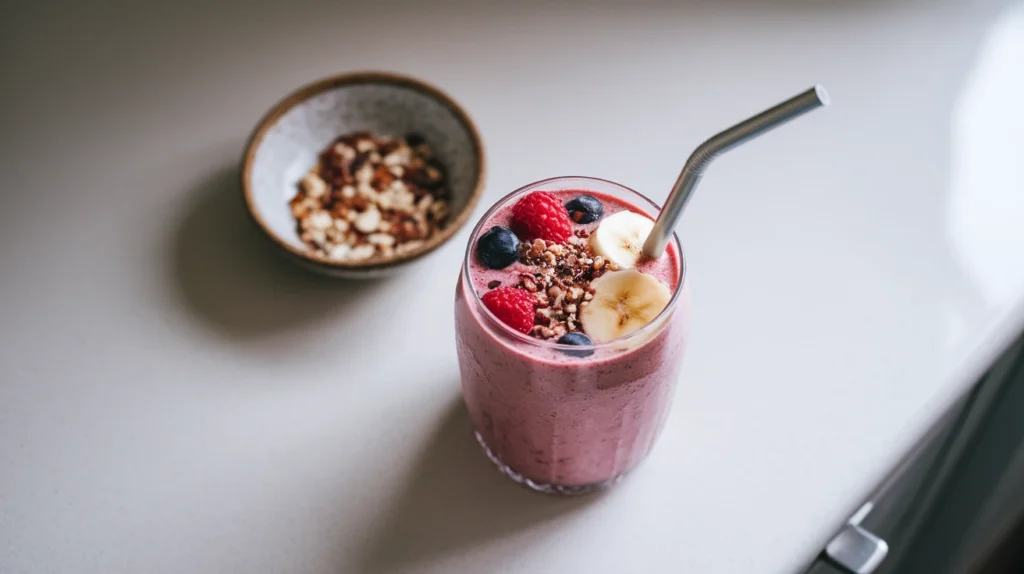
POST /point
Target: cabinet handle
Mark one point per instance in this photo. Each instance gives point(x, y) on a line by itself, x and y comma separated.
point(856, 549)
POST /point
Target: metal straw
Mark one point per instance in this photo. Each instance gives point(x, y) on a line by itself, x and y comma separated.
point(700, 158)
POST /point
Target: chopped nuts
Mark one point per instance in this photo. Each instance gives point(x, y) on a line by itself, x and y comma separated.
point(368, 221)
point(364, 251)
point(382, 239)
point(424, 203)
point(314, 187)
point(340, 251)
point(560, 282)
point(318, 220)
point(371, 196)
point(315, 236)
point(344, 152)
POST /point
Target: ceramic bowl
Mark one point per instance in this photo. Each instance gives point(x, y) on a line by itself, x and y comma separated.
point(287, 141)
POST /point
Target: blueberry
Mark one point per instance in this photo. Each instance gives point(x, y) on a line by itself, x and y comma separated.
point(584, 209)
point(498, 247)
point(579, 339)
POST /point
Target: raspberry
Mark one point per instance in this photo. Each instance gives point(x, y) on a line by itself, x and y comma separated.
point(513, 306)
point(540, 215)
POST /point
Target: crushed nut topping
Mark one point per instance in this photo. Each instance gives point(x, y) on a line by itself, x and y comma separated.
point(371, 196)
point(560, 282)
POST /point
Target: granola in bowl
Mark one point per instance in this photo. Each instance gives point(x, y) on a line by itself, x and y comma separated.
point(306, 193)
point(371, 196)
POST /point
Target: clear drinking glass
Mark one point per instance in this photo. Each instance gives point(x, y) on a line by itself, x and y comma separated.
point(558, 422)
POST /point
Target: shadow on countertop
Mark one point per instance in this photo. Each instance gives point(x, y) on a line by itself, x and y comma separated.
point(456, 500)
point(231, 277)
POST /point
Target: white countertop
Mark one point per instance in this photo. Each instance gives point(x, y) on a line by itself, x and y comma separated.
point(174, 398)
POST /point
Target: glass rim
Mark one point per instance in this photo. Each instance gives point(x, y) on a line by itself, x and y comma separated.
point(524, 338)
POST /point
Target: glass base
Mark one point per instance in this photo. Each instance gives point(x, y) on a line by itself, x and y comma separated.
point(562, 489)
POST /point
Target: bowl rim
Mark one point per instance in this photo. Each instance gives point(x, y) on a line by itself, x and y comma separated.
point(315, 87)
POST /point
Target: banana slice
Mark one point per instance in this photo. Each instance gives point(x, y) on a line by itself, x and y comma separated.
point(620, 238)
point(624, 301)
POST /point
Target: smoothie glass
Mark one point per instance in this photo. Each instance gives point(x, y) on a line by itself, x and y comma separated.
point(551, 419)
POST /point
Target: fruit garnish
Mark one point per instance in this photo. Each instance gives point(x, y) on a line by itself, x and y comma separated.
point(498, 247)
point(620, 238)
point(584, 209)
point(577, 339)
point(539, 215)
point(624, 302)
point(512, 306)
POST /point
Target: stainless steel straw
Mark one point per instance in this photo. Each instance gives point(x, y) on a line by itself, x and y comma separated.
point(724, 141)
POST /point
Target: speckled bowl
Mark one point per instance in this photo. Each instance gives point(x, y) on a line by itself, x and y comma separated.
point(287, 141)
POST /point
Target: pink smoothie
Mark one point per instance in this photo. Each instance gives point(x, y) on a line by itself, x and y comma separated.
point(552, 418)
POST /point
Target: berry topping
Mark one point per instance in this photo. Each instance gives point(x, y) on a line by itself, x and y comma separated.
point(498, 247)
point(513, 306)
point(584, 209)
point(578, 339)
point(539, 215)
